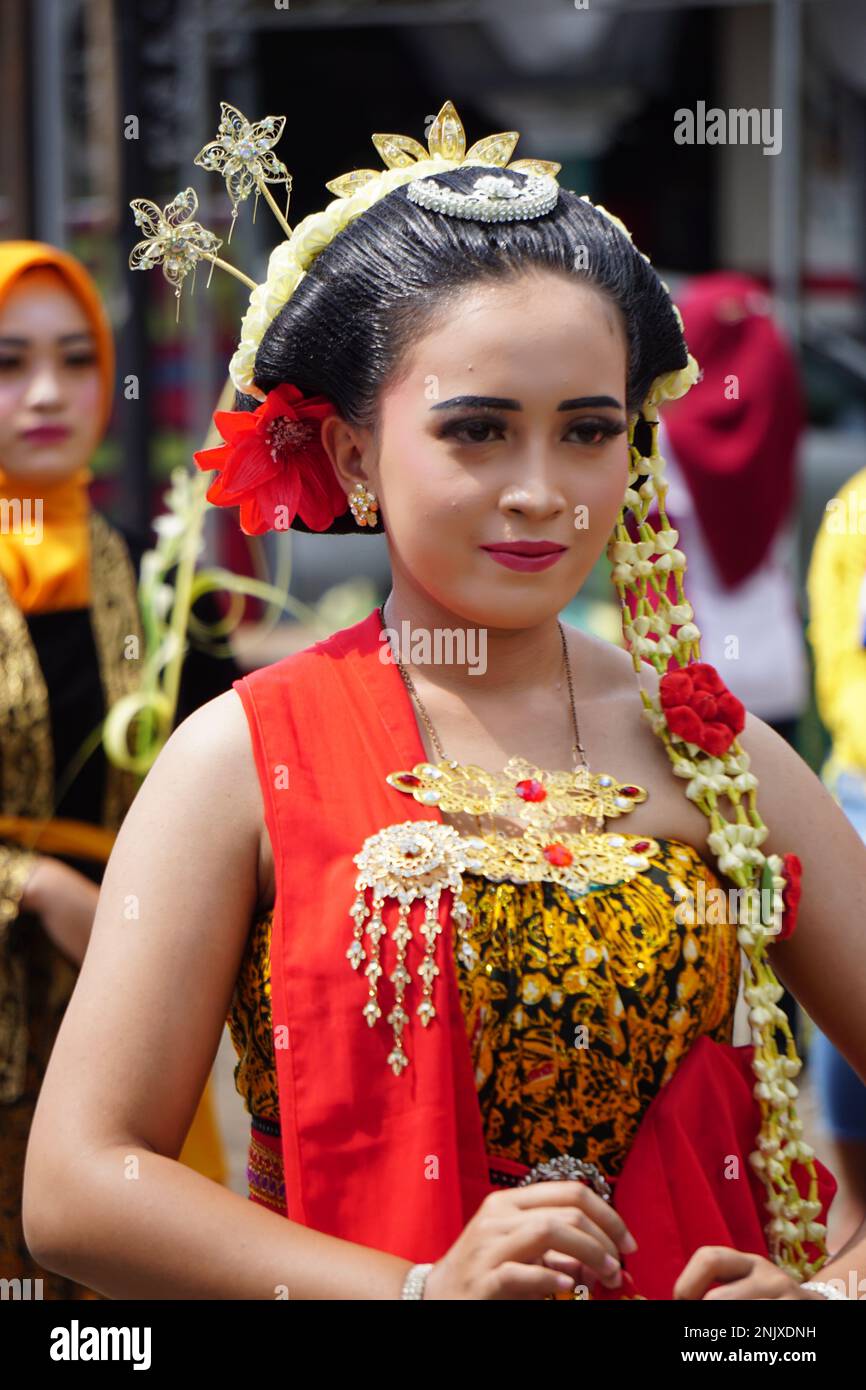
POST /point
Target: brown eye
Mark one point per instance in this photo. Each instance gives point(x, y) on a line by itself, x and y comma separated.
point(595, 432)
point(482, 426)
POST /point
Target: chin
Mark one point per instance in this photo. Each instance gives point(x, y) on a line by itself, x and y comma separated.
point(47, 463)
point(506, 611)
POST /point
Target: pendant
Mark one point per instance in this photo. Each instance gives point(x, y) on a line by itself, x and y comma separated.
point(416, 861)
point(523, 792)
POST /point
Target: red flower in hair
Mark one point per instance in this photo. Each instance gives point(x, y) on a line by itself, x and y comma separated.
point(792, 872)
point(273, 458)
point(700, 708)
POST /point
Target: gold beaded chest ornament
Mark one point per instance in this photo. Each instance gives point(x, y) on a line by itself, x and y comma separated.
point(419, 859)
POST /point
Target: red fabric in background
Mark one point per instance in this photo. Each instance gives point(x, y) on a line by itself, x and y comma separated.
point(738, 455)
point(673, 1192)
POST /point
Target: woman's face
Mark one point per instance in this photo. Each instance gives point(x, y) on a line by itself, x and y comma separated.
point(546, 460)
point(50, 382)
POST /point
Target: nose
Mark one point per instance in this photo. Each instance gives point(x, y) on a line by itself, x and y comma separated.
point(44, 388)
point(535, 491)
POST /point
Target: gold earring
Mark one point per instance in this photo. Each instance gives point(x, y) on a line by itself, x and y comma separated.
point(363, 505)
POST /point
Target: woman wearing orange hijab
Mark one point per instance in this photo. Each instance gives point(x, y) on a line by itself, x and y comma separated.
point(68, 605)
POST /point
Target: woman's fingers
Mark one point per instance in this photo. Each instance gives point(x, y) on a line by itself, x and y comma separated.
point(514, 1280)
point(712, 1264)
point(573, 1217)
point(577, 1194)
point(551, 1228)
point(567, 1264)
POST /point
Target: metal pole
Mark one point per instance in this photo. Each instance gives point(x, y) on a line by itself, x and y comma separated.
point(134, 415)
point(48, 185)
point(785, 240)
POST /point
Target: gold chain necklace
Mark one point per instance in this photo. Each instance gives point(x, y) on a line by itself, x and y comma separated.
point(576, 747)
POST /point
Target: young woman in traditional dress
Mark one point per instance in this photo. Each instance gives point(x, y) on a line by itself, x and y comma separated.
point(456, 912)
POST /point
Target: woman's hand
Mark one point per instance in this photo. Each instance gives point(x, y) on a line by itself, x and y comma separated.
point(742, 1276)
point(530, 1242)
point(65, 901)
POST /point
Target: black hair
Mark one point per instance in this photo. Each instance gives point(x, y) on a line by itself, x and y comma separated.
point(388, 276)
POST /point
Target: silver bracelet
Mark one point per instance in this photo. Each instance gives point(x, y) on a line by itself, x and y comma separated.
point(413, 1284)
point(828, 1290)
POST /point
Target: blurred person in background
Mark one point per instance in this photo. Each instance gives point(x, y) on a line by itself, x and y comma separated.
point(730, 446)
point(68, 605)
point(837, 633)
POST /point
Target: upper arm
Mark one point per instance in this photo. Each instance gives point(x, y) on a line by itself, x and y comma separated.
point(824, 962)
point(142, 1028)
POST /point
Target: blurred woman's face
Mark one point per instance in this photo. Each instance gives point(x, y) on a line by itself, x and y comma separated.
point(541, 457)
point(50, 382)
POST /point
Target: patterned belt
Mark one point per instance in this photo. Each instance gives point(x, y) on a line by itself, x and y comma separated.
point(265, 1165)
point(267, 1183)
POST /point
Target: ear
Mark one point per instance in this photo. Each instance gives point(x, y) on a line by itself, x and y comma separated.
point(350, 449)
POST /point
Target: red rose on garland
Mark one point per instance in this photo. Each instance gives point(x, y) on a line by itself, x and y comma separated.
point(273, 457)
point(699, 708)
point(792, 872)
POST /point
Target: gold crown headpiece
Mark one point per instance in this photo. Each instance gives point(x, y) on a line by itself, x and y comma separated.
point(243, 153)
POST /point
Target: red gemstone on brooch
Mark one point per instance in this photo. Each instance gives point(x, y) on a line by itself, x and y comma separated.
point(558, 855)
point(410, 779)
point(531, 790)
point(629, 791)
point(641, 845)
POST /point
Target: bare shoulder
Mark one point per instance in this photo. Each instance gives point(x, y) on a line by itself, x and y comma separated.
point(217, 736)
point(619, 740)
point(219, 723)
point(207, 768)
point(792, 800)
point(823, 962)
point(605, 668)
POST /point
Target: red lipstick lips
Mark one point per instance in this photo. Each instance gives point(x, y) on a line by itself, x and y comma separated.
point(525, 555)
point(46, 434)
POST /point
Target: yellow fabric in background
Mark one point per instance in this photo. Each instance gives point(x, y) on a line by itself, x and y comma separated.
point(47, 565)
point(837, 573)
point(203, 1150)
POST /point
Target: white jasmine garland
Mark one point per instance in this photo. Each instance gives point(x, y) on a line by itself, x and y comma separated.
point(666, 539)
point(683, 767)
point(680, 612)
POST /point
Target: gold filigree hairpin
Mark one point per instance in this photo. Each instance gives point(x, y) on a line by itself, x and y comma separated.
point(243, 153)
point(175, 242)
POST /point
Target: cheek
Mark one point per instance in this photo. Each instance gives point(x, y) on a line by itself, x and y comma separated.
point(11, 393)
point(10, 398)
point(602, 494)
point(86, 395)
point(422, 488)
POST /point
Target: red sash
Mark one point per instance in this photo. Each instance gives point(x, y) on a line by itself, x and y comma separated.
point(398, 1163)
point(394, 1162)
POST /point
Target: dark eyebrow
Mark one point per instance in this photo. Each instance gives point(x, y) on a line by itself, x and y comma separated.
point(506, 403)
point(65, 338)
